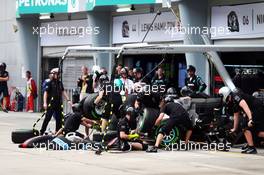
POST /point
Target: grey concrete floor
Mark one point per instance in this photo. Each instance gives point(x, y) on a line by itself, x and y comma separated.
point(14, 160)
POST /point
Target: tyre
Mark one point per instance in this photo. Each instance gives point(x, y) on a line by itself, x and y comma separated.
point(89, 100)
point(110, 135)
point(172, 138)
point(113, 124)
point(21, 135)
point(92, 111)
point(88, 103)
point(37, 142)
point(147, 120)
point(130, 101)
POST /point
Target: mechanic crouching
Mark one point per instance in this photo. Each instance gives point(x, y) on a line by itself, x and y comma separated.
point(254, 110)
point(177, 116)
point(128, 140)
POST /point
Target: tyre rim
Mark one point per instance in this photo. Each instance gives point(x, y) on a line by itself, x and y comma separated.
point(172, 138)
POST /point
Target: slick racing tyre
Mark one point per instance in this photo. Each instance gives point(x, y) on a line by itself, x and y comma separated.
point(113, 124)
point(37, 142)
point(90, 109)
point(110, 135)
point(147, 120)
point(21, 135)
point(172, 138)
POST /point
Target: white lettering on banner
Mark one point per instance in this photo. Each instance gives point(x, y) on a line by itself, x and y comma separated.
point(42, 3)
point(25, 3)
point(243, 21)
point(260, 19)
point(128, 29)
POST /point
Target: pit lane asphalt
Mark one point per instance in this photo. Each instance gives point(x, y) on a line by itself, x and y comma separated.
point(14, 160)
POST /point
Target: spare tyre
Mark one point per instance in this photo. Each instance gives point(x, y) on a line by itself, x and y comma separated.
point(88, 102)
point(21, 135)
point(130, 101)
point(147, 120)
point(113, 123)
point(90, 110)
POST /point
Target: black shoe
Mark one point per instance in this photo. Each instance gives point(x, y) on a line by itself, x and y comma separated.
point(153, 149)
point(250, 150)
point(244, 147)
point(5, 110)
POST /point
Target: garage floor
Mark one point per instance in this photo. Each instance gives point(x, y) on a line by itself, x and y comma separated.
point(27, 161)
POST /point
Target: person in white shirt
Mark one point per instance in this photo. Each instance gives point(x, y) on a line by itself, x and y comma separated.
point(127, 83)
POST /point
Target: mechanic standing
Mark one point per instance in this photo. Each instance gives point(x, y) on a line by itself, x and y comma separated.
point(177, 116)
point(159, 79)
point(52, 98)
point(254, 110)
point(139, 75)
point(85, 83)
point(193, 81)
point(127, 83)
point(4, 77)
point(31, 92)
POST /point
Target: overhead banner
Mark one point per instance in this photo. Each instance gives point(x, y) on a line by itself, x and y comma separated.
point(243, 21)
point(129, 29)
point(93, 3)
point(63, 33)
point(71, 6)
point(50, 6)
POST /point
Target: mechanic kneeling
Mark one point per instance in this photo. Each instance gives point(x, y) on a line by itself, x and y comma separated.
point(254, 110)
point(177, 116)
point(127, 140)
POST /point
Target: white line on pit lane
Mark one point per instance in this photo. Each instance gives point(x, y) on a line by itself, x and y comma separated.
point(233, 170)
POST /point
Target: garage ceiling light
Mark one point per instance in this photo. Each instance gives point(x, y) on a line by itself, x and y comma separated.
point(45, 16)
point(125, 8)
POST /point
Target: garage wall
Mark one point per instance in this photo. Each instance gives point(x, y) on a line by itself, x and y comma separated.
point(18, 47)
point(8, 38)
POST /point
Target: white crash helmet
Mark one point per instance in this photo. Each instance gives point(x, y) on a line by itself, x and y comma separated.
point(224, 92)
point(54, 71)
point(96, 68)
